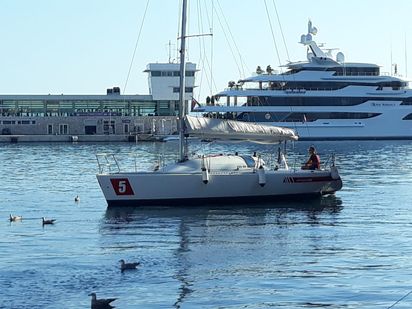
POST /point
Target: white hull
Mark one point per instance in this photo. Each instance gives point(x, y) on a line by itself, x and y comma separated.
point(351, 129)
point(166, 188)
point(387, 125)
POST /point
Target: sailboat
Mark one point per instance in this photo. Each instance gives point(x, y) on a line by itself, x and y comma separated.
point(216, 178)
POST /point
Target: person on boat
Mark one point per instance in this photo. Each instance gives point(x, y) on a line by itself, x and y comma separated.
point(313, 162)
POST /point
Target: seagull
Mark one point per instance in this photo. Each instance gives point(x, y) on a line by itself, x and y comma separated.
point(48, 221)
point(77, 199)
point(101, 303)
point(15, 218)
point(124, 266)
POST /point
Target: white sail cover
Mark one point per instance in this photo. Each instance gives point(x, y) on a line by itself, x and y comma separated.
point(210, 128)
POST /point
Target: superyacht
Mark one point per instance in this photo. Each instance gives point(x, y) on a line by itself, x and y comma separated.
point(322, 98)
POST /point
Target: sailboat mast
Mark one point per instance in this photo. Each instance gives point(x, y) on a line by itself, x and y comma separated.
point(182, 108)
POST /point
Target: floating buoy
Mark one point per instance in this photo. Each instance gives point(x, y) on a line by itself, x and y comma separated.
point(205, 175)
point(262, 176)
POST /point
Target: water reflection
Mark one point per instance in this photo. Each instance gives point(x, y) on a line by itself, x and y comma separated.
point(127, 214)
point(183, 271)
point(197, 239)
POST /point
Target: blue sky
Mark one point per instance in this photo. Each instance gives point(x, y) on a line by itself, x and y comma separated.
point(86, 46)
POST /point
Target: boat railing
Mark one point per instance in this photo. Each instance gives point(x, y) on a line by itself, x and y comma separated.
point(112, 163)
point(107, 163)
point(330, 161)
point(298, 161)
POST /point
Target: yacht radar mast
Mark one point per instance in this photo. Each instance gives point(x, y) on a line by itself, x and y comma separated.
point(306, 39)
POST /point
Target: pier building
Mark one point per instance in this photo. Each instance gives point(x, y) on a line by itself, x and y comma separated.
point(107, 117)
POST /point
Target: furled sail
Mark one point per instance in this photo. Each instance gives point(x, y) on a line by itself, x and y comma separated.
point(221, 129)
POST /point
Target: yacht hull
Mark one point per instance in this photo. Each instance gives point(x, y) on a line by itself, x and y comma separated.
point(157, 188)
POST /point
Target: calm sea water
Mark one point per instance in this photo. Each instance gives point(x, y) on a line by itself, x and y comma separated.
point(351, 250)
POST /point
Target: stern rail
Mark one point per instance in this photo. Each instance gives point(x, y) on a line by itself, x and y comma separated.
point(107, 163)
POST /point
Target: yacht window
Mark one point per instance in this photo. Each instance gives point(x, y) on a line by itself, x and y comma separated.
point(319, 101)
point(407, 117)
point(312, 101)
point(303, 117)
point(355, 71)
point(407, 101)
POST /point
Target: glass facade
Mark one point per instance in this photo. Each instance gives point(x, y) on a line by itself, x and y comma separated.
point(86, 107)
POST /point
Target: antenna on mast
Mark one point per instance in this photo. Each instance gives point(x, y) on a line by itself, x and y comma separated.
point(406, 59)
point(391, 61)
point(170, 46)
point(170, 52)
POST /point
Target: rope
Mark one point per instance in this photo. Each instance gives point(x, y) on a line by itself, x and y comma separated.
point(281, 30)
point(228, 41)
point(287, 53)
point(399, 300)
point(273, 36)
point(234, 41)
point(135, 46)
point(203, 60)
point(283, 37)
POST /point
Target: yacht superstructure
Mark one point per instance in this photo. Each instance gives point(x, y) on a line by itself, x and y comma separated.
point(321, 98)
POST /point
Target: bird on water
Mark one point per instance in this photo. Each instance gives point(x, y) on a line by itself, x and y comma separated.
point(101, 303)
point(77, 199)
point(124, 266)
point(15, 218)
point(48, 221)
